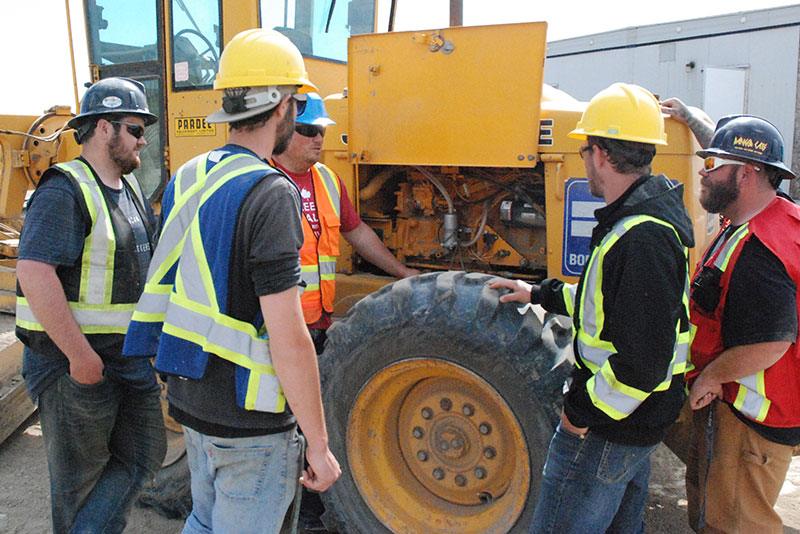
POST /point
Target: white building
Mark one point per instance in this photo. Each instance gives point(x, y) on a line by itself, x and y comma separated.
point(744, 62)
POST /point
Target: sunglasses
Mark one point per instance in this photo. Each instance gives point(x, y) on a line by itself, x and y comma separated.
point(713, 163)
point(585, 149)
point(299, 104)
point(136, 130)
point(309, 130)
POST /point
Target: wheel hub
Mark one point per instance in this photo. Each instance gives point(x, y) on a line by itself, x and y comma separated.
point(447, 440)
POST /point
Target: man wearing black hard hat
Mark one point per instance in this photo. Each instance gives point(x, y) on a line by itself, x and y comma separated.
point(83, 259)
point(745, 384)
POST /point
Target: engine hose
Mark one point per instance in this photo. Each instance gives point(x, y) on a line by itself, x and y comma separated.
point(435, 181)
point(481, 226)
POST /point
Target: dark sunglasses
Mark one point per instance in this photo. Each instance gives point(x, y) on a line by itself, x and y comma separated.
point(585, 149)
point(135, 130)
point(309, 130)
point(300, 104)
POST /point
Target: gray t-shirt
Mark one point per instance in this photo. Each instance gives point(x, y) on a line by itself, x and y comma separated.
point(54, 233)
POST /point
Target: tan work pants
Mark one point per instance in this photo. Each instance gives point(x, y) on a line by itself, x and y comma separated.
point(746, 475)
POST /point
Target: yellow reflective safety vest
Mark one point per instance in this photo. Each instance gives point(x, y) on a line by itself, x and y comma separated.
point(181, 316)
point(318, 256)
point(607, 392)
point(102, 289)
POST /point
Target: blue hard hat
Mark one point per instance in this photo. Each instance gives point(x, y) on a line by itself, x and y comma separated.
point(745, 137)
point(314, 113)
point(121, 96)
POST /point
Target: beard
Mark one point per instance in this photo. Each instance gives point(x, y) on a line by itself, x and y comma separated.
point(717, 197)
point(284, 134)
point(124, 159)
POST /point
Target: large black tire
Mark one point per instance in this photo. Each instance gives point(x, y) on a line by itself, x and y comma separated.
point(440, 403)
point(170, 492)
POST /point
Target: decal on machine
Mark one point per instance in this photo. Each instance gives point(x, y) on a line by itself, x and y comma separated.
point(579, 221)
point(546, 132)
point(194, 126)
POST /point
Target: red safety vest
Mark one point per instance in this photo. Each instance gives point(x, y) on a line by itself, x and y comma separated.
point(771, 396)
point(318, 256)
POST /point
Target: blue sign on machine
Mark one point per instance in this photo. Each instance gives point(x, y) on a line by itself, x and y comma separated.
point(579, 206)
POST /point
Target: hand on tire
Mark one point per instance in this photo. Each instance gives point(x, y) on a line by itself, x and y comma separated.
point(520, 291)
point(322, 471)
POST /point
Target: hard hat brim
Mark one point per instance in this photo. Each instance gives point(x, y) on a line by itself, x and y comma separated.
point(148, 118)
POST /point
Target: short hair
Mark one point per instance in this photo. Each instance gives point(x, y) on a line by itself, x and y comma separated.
point(627, 157)
point(252, 123)
point(86, 130)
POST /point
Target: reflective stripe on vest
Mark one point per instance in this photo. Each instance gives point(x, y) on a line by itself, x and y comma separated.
point(751, 397)
point(608, 394)
point(93, 311)
point(184, 299)
point(318, 256)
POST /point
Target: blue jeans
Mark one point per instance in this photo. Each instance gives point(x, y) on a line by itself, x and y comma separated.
point(104, 442)
point(591, 485)
point(241, 485)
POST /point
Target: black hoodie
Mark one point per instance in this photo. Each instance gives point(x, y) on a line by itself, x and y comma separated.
point(643, 280)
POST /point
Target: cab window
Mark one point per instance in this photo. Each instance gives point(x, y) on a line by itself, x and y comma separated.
point(319, 28)
point(195, 29)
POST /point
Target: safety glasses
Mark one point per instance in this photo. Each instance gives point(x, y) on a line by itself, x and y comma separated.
point(300, 104)
point(713, 163)
point(136, 130)
point(309, 130)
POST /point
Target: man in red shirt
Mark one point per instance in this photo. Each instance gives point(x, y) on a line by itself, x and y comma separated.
point(327, 213)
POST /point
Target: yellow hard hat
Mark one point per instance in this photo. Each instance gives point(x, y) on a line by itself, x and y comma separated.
point(623, 111)
point(259, 58)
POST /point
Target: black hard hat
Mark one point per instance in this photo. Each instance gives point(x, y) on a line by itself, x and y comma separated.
point(745, 137)
point(114, 96)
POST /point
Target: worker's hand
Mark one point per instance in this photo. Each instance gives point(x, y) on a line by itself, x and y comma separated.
point(704, 391)
point(322, 471)
point(405, 272)
point(569, 427)
point(86, 368)
point(676, 109)
point(520, 291)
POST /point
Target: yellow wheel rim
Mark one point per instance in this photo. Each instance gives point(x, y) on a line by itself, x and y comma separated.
point(433, 448)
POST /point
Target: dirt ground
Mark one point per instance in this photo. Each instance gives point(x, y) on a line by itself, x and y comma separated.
point(25, 505)
point(24, 500)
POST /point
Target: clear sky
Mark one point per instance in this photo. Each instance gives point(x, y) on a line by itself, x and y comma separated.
point(36, 61)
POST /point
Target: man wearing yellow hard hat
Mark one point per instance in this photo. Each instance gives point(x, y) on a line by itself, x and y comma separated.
point(221, 309)
point(630, 320)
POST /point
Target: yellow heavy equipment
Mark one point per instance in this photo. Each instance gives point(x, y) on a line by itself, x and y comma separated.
point(440, 401)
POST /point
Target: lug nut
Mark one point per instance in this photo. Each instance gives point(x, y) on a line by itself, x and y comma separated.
point(418, 432)
point(438, 474)
point(443, 445)
point(468, 410)
point(480, 473)
point(489, 452)
point(485, 428)
point(422, 456)
point(460, 480)
point(455, 443)
point(446, 404)
point(427, 413)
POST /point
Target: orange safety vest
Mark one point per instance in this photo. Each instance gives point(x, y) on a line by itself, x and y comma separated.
point(770, 396)
point(318, 256)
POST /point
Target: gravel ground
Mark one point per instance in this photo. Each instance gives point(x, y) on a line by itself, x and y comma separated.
point(24, 502)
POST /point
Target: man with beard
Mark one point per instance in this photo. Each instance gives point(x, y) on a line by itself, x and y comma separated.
point(745, 384)
point(83, 258)
point(221, 309)
point(631, 322)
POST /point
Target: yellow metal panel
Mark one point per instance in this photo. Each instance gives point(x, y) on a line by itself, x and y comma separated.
point(330, 77)
point(185, 107)
point(416, 101)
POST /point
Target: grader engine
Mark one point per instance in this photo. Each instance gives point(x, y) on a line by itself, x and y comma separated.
point(475, 219)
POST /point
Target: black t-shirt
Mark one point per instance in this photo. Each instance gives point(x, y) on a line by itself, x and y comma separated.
point(264, 260)
point(761, 307)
